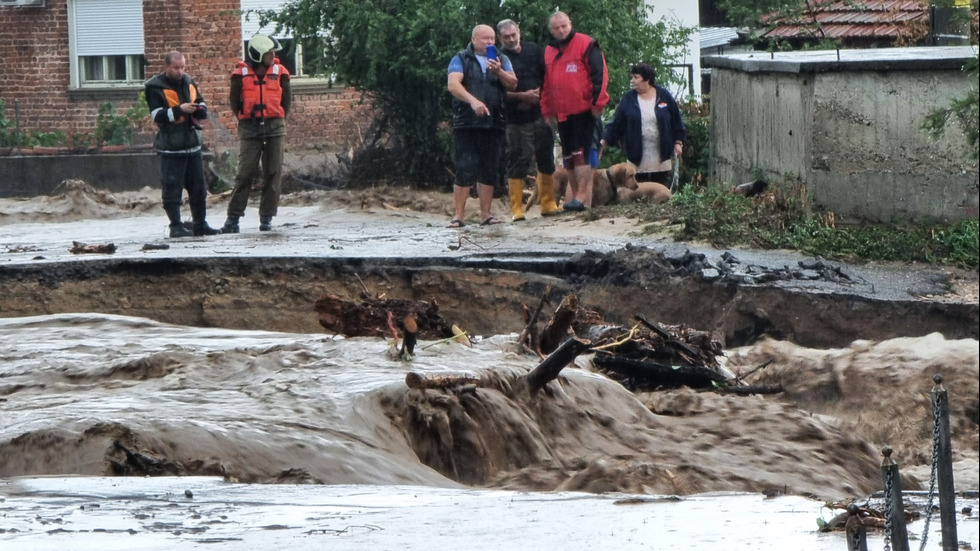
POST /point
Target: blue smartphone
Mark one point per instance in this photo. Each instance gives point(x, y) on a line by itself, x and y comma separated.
point(492, 52)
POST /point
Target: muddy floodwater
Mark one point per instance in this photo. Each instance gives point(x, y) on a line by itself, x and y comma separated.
point(97, 395)
point(187, 398)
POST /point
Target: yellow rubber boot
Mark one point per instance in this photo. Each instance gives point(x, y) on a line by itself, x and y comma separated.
point(516, 198)
point(546, 194)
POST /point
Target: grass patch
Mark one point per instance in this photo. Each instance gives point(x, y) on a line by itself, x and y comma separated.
point(783, 218)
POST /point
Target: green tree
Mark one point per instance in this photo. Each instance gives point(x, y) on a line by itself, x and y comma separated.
point(397, 53)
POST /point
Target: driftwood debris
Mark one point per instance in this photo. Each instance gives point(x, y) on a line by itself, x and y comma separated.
point(556, 331)
point(635, 373)
point(647, 356)
point(369, 317)
point(419, 381)
point(528, 336)
point(77, 247)
point(551, 366)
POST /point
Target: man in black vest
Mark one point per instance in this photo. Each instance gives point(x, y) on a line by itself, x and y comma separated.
point(478, 82)
point(177, 107)
point(528, 134)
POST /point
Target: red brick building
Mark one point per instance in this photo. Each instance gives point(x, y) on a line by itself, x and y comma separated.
point(63, 59)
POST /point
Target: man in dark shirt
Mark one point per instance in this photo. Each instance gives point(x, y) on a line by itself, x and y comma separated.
point(177, 107)
point(478, 79)
point(528, 134)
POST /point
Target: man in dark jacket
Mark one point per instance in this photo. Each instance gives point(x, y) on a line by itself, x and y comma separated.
point(527, 132)
point(478, 83)
point(176, 106)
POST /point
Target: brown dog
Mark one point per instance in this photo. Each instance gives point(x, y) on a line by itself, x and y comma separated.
point(607, 184)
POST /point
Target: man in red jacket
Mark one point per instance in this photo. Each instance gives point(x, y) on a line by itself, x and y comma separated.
point(572, 97)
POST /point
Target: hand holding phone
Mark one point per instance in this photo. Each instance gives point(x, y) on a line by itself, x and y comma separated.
point(492, 52)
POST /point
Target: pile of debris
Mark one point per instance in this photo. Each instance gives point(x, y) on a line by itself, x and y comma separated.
point(647, 356)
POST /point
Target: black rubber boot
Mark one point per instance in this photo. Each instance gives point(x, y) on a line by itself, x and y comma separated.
point(265, 223)
point(204, 229)
point(231, 225)
point(177, 228)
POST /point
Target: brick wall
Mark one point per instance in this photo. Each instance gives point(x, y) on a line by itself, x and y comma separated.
point(36, 75)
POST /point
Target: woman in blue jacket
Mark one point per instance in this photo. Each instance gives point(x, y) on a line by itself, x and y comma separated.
point(648, 124)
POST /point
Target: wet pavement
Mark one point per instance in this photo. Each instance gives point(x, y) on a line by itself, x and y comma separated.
point(206, 513)
point(403, 237)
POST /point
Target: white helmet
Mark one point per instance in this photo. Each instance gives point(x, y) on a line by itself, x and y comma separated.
point(259, 45)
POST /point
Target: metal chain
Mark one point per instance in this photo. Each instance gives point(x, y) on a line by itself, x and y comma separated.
point(889, 513)
point(936, 411)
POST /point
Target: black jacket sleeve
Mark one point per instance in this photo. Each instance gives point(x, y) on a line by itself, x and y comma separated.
point(597, 66)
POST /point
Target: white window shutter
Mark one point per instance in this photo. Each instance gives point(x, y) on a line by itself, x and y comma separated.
point(108, 27)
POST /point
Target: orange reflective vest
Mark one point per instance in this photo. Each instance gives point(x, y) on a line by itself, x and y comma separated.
point(173, 100)
point(261, 95)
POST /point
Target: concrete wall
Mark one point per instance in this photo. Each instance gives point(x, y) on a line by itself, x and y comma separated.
point(33, 175)
point(848, 128)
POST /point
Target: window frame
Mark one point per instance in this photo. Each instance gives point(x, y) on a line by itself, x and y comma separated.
point(135, 63)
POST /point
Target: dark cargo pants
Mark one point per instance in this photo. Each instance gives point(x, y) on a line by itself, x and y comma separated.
point(269, 152)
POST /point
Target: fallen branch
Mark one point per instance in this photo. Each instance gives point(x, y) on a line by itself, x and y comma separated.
point(629, 336)
point(77, 247)
point(526, 335)
point(555, 332)
point(634, 373)
point(447, 339)
point(367, 294)
point(667, 337)
point(551, 366)
point(753, 370)
point(748, 389)
point(419, 381)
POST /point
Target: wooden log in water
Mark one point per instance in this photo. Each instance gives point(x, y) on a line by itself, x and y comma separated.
point(448, 379)
point(550, 367)
point(369, 317)
point(650, 375)
point(557, 329)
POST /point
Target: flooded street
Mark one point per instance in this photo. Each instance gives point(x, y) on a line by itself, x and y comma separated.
point(187, 397)
point(108, 514)
point(96, 395)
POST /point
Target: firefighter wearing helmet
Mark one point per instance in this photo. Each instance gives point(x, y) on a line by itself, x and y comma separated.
point(260, 97)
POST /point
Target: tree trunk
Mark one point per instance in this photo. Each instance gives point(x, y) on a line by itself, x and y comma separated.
point(551, 366)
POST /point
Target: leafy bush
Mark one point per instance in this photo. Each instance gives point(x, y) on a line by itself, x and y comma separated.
point(782, 218)
point(113, 129)
point(11, 136)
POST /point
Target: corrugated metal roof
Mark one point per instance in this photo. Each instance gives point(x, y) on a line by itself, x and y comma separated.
point(712, 37)
point(848, 19)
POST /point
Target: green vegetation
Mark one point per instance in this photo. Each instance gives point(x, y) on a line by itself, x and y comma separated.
point(12, 136)
point(397, 53)
point(782, 218)
point(110, 129)
point(113, 129)
point(965, 110)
